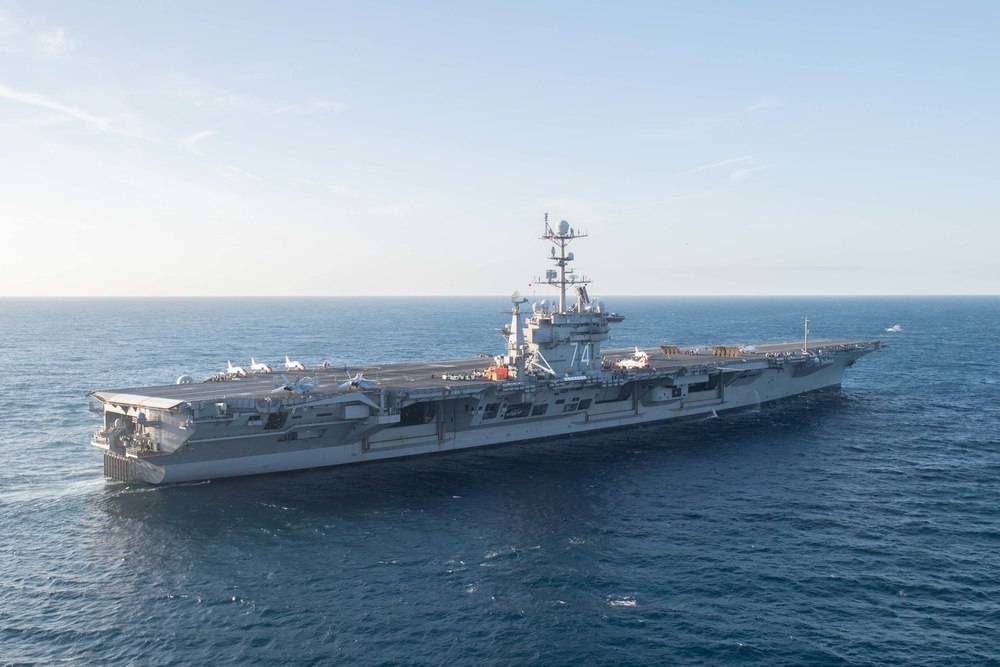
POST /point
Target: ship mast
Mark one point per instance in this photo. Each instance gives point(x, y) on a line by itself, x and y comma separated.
point(563, 277)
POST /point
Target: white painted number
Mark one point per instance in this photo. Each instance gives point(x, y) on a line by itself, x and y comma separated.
point(584, 358)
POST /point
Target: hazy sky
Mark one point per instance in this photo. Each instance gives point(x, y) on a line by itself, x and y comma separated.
point(354, 148)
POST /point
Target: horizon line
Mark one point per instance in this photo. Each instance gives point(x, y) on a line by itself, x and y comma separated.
point(480, 296)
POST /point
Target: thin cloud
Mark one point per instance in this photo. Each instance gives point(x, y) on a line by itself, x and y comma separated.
point(46, 120)
point(8, 26)
point(740, 174)
point(375, 206)
point(693, 127)
point(344, 191)
point(235, 173)
point(399, 209)
point(205, 94)
point(70, 112)
point(54, 43)
point(685, 129)
point(715, 165)
point(360, 168)
point(34, 99)
point(190, 142)
point(310, 107)
point(763, 105)
point(202, 93)
point(21, 32)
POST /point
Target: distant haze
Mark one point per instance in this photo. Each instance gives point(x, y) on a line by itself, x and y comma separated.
point(234, 148)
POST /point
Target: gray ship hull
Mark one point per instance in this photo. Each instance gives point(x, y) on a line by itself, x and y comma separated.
point(182, 433)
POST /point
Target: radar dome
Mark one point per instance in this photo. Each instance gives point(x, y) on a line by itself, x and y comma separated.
point(563, 227)
point(185, 379)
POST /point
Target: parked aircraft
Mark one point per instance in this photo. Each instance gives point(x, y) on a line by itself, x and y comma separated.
point(293, 365)
point(299, 386)
point(357, 382)
point(261, 367)
point(234, 371)
point(639, 359)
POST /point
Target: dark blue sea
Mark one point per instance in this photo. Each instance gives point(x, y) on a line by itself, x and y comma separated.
point(857, 526)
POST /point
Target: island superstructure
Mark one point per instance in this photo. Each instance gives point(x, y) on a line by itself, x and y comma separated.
point(553, 379)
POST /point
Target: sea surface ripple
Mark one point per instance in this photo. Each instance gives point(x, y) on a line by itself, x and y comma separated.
point(856, 526)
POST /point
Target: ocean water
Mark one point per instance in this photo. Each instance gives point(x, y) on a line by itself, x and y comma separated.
point(857, 526)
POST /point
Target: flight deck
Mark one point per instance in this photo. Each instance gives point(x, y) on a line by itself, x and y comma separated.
point(453, 373)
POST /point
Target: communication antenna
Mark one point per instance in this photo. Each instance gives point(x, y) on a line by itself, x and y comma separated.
point(563, 275)
point(805, 342)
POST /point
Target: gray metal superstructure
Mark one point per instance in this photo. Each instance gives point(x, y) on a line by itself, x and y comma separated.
point(553, 379)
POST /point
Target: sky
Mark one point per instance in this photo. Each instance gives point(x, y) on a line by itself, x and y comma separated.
point(413, 148)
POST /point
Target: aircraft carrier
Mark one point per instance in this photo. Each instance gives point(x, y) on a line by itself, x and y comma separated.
point(552, 380)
